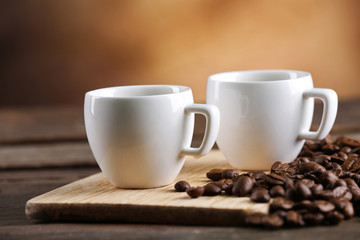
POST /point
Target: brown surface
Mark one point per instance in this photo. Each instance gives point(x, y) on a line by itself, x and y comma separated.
point(21, 184)
point(95, 198)
point(52, 52)
point(22, 125)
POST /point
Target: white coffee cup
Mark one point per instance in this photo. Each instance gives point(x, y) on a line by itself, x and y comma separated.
point(140, 135)
point(267, 114)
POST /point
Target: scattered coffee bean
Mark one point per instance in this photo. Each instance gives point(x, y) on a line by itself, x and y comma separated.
point(321, 186)
point(229, 174)
point(228, 189)
point(311, 167)
point(280, 203)
point(242, 186)
point(334, 217)
point(350, 142)
point(293, 218)
point(302, 190)
point(324, 206)
point(257, 175)
point(260, 195)
point(182, 186)
point(221, 185)
point(273, 221)
point(352, 163)
point(345, 149)
point(195, 192)
point(211, 190)
point(328, 179)
point(275, 179)
point(226, 181)
point(214, 174)
point(277, 191)
point(330, 148)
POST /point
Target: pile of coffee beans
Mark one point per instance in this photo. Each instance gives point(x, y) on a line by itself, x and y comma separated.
point(321, 186)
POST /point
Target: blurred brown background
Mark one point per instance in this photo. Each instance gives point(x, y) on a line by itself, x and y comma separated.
point(52, 52)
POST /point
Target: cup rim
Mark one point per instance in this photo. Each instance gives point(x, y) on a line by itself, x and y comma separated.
point(294, 75)
point(177, 89)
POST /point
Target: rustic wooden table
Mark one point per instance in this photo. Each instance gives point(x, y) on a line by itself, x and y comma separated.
point(45, 148)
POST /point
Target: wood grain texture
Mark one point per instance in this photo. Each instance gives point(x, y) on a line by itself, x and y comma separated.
point(41, 124)
point(46, 155)
point(19, 185)
point(95, 199)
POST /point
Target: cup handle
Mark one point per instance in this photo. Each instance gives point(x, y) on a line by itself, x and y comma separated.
point(212, 115)
point(330, 100)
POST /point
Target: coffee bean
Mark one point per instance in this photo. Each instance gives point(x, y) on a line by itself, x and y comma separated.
point(327, 140)
point(345, 149)
point(316, 189)
point(321, 186)
point(273, 221)
point(242, 186)
point(328, 179)
point(324, 206)
point(211, 190)
point(355, 192)
point(214, 174)
point(312, 145)
point(323, 160)
point(228, 189)
point(255, 219)
point(195, 192)
point(221, 185)
point(181, 186)
point(311, 167)
point(355, 150)
point(351, 183)
point(277, 191)
point(313, 218)
point(337, 169)
point(325, 194)
point(289, 183)
point(330, 148)
point(312, 177)
point(280, 213)
point(308, 182)
point(226, 181)
point(334, 217)
point(352, 163)
point(274, 179)
point(280, 203)
point(229, 174)
point(294, 219)
point(260, 195)
point(303, 191)
point(340, 182)
point(261, 183)
point(257, 175)
point(344, 206)
point(342, 192)
point(341, 155)
point(290, 194)
point(339, 141)
point(304, 205)
point(350, 142)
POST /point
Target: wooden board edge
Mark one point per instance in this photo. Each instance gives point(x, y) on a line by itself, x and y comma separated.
point(127, 213)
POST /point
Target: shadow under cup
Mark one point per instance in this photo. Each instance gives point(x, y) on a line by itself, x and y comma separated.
point(265, 115)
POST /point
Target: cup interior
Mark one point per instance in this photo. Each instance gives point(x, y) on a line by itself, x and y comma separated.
point(258, 76)
point(138, 91)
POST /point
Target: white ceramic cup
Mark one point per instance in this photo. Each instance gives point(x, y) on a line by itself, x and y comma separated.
point(140, 135)
point(267, 114)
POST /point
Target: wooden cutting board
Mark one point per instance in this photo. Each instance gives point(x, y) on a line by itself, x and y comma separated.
point(95, 199)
